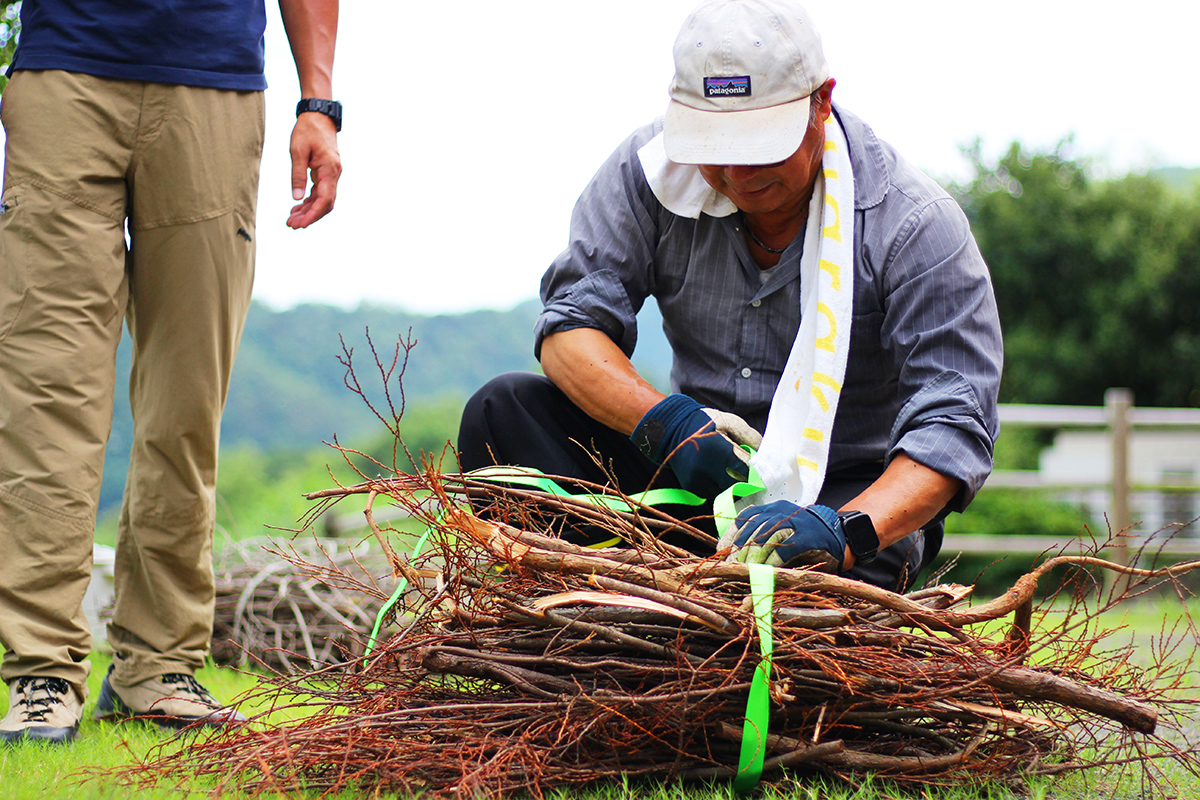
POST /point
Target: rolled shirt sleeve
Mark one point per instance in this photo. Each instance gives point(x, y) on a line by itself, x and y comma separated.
point(943, 339)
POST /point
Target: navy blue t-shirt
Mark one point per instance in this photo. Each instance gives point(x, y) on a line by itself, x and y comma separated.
point(213, 43)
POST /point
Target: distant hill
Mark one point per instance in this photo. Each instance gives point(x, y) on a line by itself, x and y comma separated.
point(1185, 179)
point(288, 388)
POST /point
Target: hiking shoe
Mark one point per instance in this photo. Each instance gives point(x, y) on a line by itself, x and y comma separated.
point(171, 701)
point(41, 709)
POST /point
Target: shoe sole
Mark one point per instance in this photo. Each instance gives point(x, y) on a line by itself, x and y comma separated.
point(111, 708)
point(42, 734)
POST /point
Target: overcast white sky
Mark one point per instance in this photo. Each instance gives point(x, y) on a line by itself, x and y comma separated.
point(471, 127)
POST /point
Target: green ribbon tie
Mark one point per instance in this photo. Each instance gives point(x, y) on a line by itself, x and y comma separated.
point(754, 730)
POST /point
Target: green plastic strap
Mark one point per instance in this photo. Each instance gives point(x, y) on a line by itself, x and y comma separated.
point(724, 511)
point(400, 587)
point(754, 731)
point(527, 476)
point(762, 591)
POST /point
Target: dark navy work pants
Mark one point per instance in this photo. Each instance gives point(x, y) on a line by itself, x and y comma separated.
point(522, 419)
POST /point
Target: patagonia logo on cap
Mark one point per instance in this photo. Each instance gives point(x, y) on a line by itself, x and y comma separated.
point(727, 87)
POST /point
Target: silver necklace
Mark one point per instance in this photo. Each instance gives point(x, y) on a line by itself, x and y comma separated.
point(757, 241)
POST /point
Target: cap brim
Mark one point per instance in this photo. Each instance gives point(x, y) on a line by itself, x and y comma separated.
point(754, 136)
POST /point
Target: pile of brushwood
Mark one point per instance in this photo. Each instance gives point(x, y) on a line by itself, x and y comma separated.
point(270, 611)
point(517, 663)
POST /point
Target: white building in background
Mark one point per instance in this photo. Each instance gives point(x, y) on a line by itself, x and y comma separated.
point(100, 591)
point(1157, 458)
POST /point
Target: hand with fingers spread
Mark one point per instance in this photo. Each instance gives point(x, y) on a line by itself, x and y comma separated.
point(702, 446)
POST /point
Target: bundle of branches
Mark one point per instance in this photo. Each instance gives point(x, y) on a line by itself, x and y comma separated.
point(521, 662)
point(289, 607)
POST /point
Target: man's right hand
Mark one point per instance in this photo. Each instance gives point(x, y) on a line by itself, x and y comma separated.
point(700, 445)
point(314, 153)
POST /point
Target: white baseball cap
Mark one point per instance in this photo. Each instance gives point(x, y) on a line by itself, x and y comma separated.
point(744, 70)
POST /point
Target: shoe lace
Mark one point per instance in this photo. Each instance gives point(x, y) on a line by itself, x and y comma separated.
point(190, 686)
point(40, 695)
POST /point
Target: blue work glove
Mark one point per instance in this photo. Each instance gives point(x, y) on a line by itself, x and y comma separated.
point(700, 445)
point(782, 534)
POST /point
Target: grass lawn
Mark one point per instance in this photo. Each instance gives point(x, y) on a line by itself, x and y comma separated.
point(37, 771)
point(76, 771)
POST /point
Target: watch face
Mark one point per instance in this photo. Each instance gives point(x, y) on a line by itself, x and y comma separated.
point(860, 535)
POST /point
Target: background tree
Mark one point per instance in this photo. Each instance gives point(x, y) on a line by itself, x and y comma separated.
point(1097, 280)
point(10, 31)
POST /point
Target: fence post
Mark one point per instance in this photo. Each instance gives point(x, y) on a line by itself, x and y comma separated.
point(1117, 404)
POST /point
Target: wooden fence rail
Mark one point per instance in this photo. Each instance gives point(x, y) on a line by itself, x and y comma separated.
point(1119, 418)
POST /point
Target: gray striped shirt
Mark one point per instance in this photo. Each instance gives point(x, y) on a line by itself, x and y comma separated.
point(925, 347)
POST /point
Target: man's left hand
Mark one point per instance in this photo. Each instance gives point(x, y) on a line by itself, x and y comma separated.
point(785, 534)
point(314, 153)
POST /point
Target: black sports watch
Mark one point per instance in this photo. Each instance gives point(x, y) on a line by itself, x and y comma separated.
point(860, 535)
point(330, 108)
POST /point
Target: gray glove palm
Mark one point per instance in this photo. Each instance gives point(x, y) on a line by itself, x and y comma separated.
point(736, 430)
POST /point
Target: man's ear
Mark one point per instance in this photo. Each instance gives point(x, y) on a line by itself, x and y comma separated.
point(824, 97)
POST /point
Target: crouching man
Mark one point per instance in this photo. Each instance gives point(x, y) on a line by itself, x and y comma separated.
point(814, 287)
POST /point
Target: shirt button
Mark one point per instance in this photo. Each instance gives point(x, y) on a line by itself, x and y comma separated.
point(746, 372)
point(756, 303)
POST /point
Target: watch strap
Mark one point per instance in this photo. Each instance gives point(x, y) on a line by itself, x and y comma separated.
point(330, 108)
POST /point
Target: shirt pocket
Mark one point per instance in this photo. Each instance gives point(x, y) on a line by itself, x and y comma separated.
point(866, 336)
point(870, 375)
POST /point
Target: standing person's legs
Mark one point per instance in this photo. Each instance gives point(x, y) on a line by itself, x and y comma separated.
point(62, 299)
point(194, 185)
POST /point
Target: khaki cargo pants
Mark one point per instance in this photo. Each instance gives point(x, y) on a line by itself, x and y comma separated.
point(85, 156)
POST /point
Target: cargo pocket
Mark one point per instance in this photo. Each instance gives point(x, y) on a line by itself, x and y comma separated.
point(14, 246)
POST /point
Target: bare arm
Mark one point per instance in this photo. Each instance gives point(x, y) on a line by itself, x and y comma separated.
point(906, 496)
point(312, 31)
point(595, 374)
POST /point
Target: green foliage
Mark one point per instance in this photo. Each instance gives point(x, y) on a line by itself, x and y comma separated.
point(1019, 512)
point(1007, 512)
point(429, 431)
point(1096, 280)
point(260, 491)
point(1018, 446)
point(257, 488)
point(289, 389)
point(291, 372)
point(10, 33)
point(1010, 512)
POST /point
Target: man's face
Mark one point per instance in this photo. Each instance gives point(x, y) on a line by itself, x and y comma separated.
point(784, 187)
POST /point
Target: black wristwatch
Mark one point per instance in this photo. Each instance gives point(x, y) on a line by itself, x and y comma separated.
point(330, 108)
point(860, 535)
